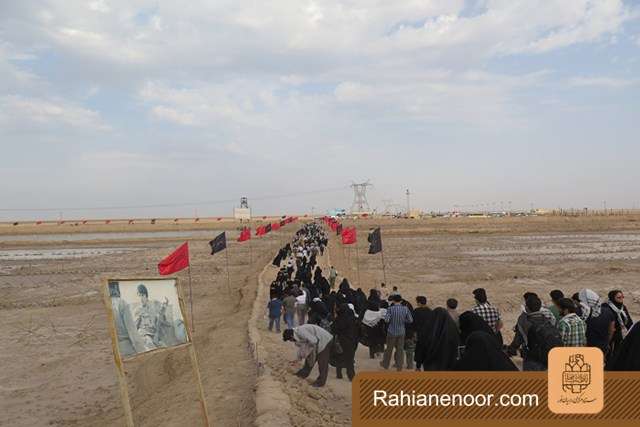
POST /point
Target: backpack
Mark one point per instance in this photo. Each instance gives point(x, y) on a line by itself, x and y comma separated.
point(541, 338)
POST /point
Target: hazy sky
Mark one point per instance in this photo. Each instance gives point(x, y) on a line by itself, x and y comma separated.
point(129, 102)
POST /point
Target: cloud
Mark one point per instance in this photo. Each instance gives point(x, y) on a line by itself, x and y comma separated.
point(172, 115)
point(18, 111)
point(606, 82)
point(280, 83)
point(352, 91)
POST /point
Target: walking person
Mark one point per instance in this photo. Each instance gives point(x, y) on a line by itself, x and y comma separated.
point(452, 309)
point(488, 312)
point(345, 331)
point(397, 317)
point(627, 357)
point(482, 353)
point(274, 306)
point(601, 324)
point(623, 323)
point(556, 295)
point(289, 305)
point(301, 305)
point(438, 342)
point(314, 346)
point(535, 335)
point(372, 328)
point(573, 330)
point(333, 275)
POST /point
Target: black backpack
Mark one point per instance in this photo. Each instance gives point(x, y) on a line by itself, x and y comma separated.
point(541, 338)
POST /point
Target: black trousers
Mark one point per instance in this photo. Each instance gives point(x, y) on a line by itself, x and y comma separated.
point(323, 366)
point(351, 371)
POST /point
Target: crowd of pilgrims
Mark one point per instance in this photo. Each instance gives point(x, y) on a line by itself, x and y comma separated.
point(327, 323)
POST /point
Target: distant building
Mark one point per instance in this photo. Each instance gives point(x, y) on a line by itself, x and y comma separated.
point(243, 213)
point(338, 213)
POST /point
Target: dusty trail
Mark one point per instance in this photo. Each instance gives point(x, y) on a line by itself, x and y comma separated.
point(310, 406)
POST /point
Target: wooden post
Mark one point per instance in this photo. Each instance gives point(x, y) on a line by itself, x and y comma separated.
point(226, 254)
point(384, 271)
point(191, 299)
point(357, 265)
point(195, 365)
point(122, 379)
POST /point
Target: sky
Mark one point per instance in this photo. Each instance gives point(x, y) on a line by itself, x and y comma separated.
point(134, 108)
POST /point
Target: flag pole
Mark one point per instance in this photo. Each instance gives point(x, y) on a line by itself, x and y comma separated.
point(193, 328)
point(226, 255)
point(358, 266)
point(384, 271)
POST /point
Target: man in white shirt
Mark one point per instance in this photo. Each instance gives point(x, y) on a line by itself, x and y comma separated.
point(301, 306)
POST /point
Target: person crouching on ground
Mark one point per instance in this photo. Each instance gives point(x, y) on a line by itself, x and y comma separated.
point(314, 345)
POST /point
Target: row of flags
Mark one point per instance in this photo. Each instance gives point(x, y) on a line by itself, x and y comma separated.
point(349, 235)
point(151, 221)
point(179, 259)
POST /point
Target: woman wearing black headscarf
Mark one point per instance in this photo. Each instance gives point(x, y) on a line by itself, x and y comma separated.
point(482, 353)
point(438, 341)
point(372, 328)
point(361, 301)
point(345, 290)
point(627, 358)
point(345, 330)
point(470, 322)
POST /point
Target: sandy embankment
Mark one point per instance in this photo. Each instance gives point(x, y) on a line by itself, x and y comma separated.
point(55, 349)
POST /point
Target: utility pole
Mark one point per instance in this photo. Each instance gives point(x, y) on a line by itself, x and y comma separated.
point(408, 203)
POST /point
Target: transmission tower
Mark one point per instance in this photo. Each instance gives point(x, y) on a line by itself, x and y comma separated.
point(360, 204)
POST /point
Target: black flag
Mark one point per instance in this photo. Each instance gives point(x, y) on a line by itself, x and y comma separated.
point(375, 241)
point(218, 244)
point(339, 230)
point(267, 228)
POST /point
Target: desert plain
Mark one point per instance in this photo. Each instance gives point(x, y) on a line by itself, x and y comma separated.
point(55, 348)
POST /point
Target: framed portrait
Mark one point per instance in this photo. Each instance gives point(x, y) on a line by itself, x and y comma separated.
point(147, 315)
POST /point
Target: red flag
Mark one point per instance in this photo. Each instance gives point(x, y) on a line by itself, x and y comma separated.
point(260, 231)
point(245, 234)
point(349, 236)
point(275, 226)
point(175, 261)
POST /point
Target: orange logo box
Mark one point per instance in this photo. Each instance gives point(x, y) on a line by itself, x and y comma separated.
point(576, 380)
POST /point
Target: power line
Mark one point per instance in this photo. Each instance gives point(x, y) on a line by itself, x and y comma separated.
point(170, 205)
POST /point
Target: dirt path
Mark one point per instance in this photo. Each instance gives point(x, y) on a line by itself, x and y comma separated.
point(310, 406)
